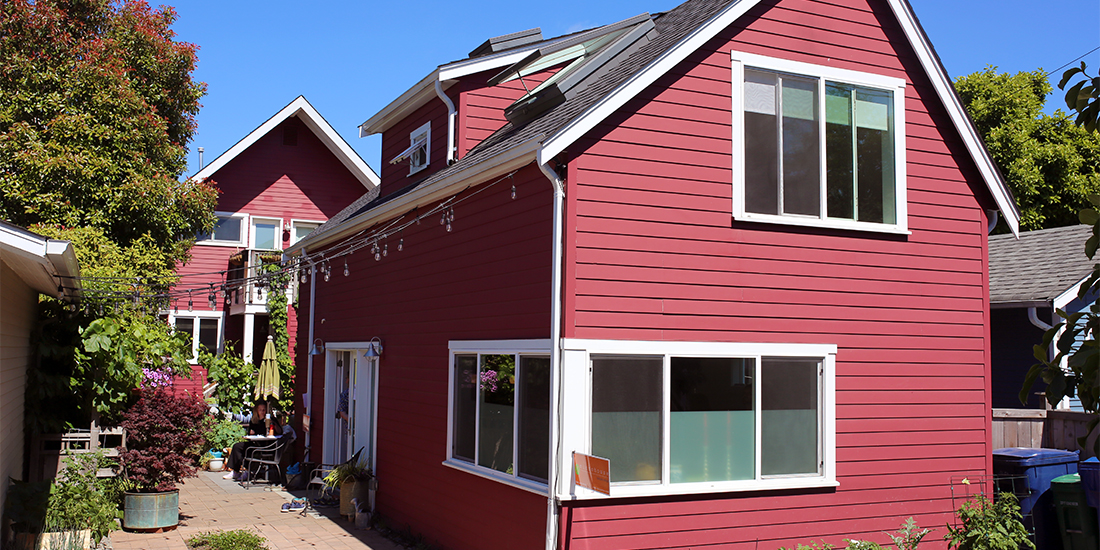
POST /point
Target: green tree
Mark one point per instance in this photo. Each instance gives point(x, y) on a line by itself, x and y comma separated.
point(98, 107)
point(1050, 164)
point(1083, 97)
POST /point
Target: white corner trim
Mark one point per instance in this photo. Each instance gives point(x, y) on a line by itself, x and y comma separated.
point(317, 124)
point(969, 134)
point(640, 80)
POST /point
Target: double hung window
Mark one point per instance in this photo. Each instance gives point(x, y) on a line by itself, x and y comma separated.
point(204, 331)
point(816, 145)
point(500, 410)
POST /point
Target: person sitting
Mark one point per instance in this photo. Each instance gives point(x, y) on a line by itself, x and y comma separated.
point(256, 426)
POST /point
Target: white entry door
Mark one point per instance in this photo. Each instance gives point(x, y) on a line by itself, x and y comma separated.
point(350, 397)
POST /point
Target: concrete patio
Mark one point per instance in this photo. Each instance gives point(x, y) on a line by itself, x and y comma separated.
point(209, 503)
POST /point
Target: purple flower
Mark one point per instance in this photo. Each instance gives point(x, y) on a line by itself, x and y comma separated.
point(155, 378)
point(489, 381)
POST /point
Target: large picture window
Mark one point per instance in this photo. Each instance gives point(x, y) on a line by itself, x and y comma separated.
point(690, 417)
point(229, 230)
point(816, 145)
point(500, 410)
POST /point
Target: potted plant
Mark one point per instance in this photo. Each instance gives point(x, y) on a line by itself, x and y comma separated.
point(163, 430)
point(355, 480)
point(221, 435)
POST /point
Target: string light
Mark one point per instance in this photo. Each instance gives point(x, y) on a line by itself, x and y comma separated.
point(327, 272)
point(213, 297)
point(513, 191)
point(385, 249)
point(190, 305)
point(303, 276)
point(345, 267)
point(401, 244)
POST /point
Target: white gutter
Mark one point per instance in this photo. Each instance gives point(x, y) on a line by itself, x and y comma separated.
point(514, 158)
point(450, 121)
point(309, 352)
point(552, 506)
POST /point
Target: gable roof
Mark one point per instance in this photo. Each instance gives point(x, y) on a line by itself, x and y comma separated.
point(313, 120)
point(680, 32)
point(1039, 266)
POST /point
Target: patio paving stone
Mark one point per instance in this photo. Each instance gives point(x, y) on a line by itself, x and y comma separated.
point(210, 503)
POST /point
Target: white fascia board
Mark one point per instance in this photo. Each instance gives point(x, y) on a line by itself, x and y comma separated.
point(626, 91)
point(40, 261)
point(317, 124)
point(942, 83)
point(424, 91)
point(642, 79)
point(496, 166)
point(1069, 295)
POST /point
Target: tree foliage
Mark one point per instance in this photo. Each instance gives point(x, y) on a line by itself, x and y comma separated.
point(98, 109)
point(1083, 97)
point(1050, 164)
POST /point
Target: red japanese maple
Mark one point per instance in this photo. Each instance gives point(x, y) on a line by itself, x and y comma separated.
point(164, 431)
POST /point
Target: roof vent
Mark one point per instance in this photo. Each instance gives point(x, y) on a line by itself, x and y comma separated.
point(508, 41)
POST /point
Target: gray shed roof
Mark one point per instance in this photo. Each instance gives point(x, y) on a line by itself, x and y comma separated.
point(1038, 267)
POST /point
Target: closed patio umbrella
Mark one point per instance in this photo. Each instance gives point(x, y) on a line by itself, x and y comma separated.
point(267, 381)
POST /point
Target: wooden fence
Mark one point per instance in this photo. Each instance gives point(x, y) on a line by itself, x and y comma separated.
point(1053, 429)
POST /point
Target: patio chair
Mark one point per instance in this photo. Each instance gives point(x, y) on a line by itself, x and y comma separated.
point(263, 459)
point(316, 490)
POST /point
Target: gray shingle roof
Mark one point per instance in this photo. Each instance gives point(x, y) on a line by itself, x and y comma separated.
point(672, 27)
point(1039, 266)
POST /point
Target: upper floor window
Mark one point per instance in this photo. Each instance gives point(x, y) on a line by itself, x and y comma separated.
point(419, 151)
point(267, 234)
point(816, 145)
point(229, 230)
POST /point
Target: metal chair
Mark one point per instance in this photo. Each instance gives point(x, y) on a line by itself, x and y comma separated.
point(257, 459)
point(315, 490)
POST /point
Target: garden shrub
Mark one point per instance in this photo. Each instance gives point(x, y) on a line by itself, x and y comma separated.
point(238, 539)
point(989, 525)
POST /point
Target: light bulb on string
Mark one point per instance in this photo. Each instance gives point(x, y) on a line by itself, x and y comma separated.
point(190, 304)
point(303, 276)
point(451, 214)
point(213, 300)
point(328, 271)
point(401, 244)
point(385, 249)
point(513, 192)
point(443, 218)
point(345, 267)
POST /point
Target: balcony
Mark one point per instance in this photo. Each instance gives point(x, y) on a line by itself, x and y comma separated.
point(246, 290)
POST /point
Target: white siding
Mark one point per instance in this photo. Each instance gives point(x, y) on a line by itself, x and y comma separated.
point(17, 314)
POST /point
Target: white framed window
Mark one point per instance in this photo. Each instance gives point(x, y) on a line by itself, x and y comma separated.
point(701, 417)
point(203, 327)
point(300, 229)
point(230, 230)
point(818, 146)
point(419, 151)
point(499, 411)
point(266, 234)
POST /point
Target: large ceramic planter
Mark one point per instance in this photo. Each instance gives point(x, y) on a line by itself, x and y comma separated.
point(350, 490)
point(216, 464)
point(151, 511)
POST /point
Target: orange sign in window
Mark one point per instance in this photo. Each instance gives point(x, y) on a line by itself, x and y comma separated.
point(592, 472)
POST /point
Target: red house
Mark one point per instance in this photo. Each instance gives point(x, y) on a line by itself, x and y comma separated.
point(738, 249)
point(277, 184)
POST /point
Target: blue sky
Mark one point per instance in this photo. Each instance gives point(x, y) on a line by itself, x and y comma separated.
point(350, 59)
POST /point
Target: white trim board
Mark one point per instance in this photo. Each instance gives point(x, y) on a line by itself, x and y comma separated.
point(313, 120)
point(642, 79)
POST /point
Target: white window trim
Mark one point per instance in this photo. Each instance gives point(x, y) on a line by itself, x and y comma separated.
point(245, 228)
point(577, 421)
point(739, 61)
point(196, 314)
point(518, 347)
point(264, 219)
point(295, 222)
point(426, 130)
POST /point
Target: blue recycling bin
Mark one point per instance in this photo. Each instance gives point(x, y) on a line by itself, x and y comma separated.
point(1036, 468)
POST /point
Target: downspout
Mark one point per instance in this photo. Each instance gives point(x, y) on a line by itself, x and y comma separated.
point(309, 352)
point(450, 121)
point(552, 506)
point(1033, 316)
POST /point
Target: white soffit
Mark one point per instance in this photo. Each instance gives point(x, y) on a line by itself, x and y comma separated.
point(640, 80)
point(313, 120)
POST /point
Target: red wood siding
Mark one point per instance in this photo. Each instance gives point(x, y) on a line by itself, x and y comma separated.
point(292, 182)
point(396, 177)
point(652, 254)
point(487, 279)
point(481, 111)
